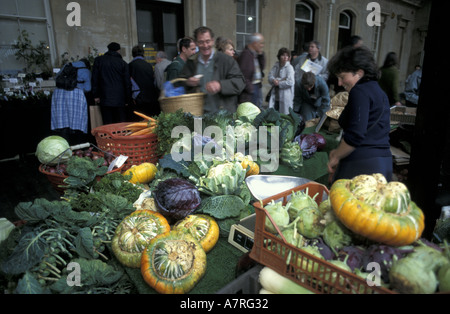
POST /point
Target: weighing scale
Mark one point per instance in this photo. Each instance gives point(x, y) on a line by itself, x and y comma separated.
point(261, 187)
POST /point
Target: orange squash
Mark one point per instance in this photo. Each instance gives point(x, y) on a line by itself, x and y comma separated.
point(380, 211)
point(134, 233)
point(143, 173)
point(247, 163)
point(173, 263)
point(202, 227)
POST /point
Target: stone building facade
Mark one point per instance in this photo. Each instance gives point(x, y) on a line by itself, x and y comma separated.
point(92, 24)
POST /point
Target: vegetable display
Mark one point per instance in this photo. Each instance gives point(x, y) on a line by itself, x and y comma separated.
point(189, 205)
point(134, 233)
point(173, 263)
point(380, 211)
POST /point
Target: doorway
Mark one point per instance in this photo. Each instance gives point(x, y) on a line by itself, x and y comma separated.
point(159, 24)
point(304, 26)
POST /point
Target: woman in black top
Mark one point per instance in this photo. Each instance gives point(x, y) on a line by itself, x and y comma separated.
point(365, 147)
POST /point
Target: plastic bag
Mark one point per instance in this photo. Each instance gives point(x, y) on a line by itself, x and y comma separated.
point(171, 91)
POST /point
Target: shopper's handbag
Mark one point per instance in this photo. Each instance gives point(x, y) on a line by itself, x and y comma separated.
point(269, 94)
point(95, 116)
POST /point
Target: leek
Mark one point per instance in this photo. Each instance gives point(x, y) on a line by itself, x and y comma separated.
point(273, 282)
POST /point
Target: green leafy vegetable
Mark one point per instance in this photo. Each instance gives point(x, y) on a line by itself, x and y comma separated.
point(222, 206)
point(28, 252)
point(166, 123)
point(291, 155)
point(247, 111)
point(29, 285)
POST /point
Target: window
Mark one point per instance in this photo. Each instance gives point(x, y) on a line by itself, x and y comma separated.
point(246, 21)
point(303, 13)
point(304, 26)
point(32, 16)
point(345, 28)
point(344, 20)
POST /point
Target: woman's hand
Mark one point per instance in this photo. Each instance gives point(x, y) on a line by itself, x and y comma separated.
point(333, 161)
point(342, 151)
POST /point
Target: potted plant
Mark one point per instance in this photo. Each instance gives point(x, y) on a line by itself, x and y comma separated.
point(36, 57)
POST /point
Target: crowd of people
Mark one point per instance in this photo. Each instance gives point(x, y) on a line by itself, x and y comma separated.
point(299, 82)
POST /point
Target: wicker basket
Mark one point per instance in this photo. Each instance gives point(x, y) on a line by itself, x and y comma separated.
point(298, 265)
point(57, 180)
point(404, 115)
point(113, 138)
point(192, 103)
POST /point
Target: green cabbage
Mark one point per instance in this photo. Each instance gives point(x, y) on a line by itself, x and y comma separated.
point(291, 155)
point(248, 111)
point(224, 179)
point(53, 150)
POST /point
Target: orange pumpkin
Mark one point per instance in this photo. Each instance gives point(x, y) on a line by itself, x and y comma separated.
point(380, 211)
point(173, 263)
point(247, 163)
point(134, 233)
point(143, 173)
point(202, 227)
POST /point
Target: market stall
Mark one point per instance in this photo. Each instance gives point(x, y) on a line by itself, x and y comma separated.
point(125, 223)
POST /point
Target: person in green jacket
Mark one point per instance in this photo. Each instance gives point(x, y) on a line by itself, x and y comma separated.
point(389, 81)
point(187, 48)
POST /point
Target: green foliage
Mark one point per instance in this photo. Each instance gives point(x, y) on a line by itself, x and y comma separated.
point(222, 206)
point(166, 123)
point(29, 285)
point(36, 57)
point(291, 155)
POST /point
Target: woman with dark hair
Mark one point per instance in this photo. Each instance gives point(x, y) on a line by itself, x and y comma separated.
point(365, 121)
point(282, 80)
point(389, 80)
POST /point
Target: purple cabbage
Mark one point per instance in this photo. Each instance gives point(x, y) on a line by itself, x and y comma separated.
point(384, 255)
point(176, 198)
point(354, 255)
point(324, 249)
point(310, 143)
